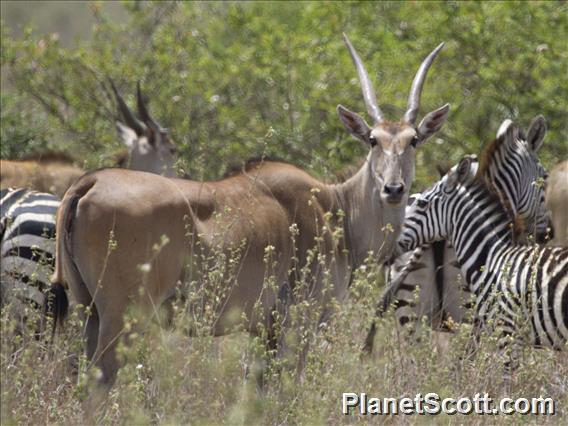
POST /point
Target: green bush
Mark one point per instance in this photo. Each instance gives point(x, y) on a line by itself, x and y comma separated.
point(244, 79)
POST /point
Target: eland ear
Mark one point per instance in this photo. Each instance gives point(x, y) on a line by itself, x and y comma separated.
point(432, 122)
point(127, 135)
point(354, 123)
point(537, 132)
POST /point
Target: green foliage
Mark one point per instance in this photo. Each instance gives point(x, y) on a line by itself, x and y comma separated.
point(245, 79)
point(23, 130)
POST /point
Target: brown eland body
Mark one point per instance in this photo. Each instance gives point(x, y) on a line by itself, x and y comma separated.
point(149, 148)
point(261, 209)
point(557, 202)
point(50, 173)
point(28, 217)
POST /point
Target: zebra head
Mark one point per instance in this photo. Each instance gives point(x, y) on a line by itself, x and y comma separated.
point(429, 218)
point(515, 170)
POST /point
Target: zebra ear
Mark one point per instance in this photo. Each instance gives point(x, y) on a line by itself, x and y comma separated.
point(463, 169)
point(537, 132)
point(503, 127)
point(459, 174)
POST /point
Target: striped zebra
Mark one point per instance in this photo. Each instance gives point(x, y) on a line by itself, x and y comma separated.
point(27, 247)
point(427, 281)
point(520, 289)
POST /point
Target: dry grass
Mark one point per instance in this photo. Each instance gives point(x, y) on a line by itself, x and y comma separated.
point(169, 378)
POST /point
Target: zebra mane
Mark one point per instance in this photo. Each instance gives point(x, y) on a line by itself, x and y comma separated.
point(517, 223)
point(482, 177)
point(486, 157)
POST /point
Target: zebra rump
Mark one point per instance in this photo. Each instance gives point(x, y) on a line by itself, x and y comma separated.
point(27, 228)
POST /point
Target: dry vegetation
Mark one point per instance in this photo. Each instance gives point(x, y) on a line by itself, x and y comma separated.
point(171, 378)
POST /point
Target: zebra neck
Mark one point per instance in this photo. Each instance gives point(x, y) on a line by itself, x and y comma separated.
point(481, 228)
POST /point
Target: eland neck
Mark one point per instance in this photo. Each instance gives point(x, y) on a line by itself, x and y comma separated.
point(371, 225)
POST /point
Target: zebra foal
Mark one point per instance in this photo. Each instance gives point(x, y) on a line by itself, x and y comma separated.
point(514, 285)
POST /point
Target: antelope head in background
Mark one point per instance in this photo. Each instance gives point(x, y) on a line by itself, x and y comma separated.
point(149, 145)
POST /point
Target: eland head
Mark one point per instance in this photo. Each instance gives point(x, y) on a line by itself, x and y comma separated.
point(149, 145)
point(393, 143)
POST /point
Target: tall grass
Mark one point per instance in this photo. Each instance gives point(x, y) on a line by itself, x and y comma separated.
point(170, 377)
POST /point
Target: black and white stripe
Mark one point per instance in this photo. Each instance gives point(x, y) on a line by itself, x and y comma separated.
point(27, 244)
point(428, 283)
point(516, 287)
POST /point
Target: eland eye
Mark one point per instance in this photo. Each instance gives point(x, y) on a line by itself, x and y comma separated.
point(414, 142)
point(372, 141)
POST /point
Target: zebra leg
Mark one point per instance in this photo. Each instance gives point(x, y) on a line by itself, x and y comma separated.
point(386, 300)
point(370, 339)
point(473, 342)
point(510, 361)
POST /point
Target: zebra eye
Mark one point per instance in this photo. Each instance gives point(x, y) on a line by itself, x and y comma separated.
point(422, 203)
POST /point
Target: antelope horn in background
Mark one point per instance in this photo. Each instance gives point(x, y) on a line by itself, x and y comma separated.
point(128, 116)
point(368, 91)
point(143, 110)
point(417, 83)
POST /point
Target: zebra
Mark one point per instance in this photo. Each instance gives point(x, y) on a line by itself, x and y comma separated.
point(516, 288)
point(432, 271)
point(27, 247)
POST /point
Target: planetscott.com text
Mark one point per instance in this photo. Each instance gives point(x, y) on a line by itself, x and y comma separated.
point(432, 403)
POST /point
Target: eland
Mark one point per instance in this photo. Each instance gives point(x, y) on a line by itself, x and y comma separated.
point(267, 207)
point(556, 199)
point(27, 219)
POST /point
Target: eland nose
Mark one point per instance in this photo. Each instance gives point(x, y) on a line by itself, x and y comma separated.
point(394, 190)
